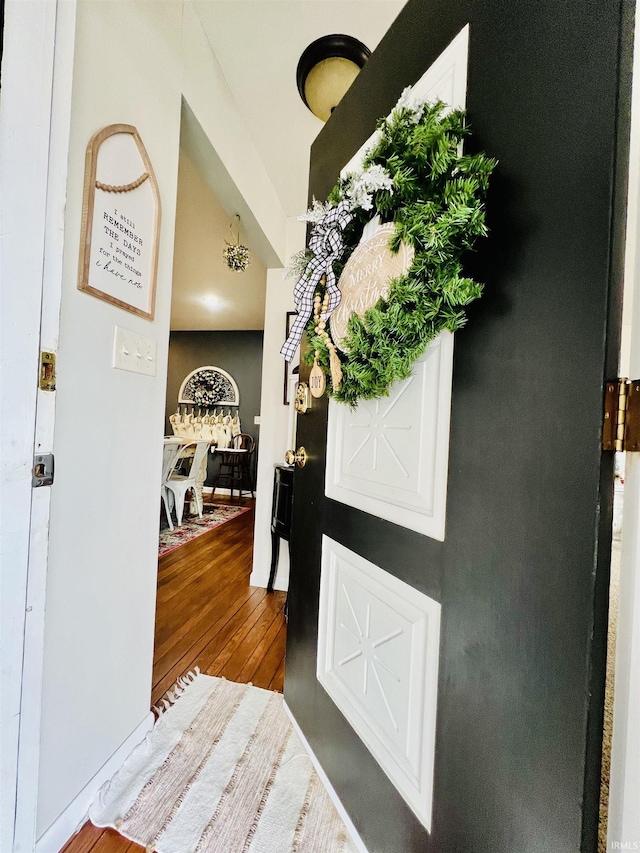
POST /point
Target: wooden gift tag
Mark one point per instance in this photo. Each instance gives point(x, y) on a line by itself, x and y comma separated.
point(317, 381)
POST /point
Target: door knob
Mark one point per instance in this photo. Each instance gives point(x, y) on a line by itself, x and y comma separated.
point(298, 457)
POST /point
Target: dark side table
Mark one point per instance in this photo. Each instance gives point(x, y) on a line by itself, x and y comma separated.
point(280, 514)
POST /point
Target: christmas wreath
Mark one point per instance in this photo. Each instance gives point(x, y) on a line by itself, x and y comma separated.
point(415, 177)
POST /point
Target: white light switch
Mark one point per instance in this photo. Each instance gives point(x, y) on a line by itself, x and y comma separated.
point(134, 352)
point(256, 420)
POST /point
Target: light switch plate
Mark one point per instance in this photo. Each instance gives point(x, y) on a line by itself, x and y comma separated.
point(135, 352)
point(256, 420)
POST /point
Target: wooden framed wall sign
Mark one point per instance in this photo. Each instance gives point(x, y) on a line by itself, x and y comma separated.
point(120, 221)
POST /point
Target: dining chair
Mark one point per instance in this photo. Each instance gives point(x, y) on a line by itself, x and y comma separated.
point(170, 453)
point(233, 466)
point(245, 442)
point(179, 484)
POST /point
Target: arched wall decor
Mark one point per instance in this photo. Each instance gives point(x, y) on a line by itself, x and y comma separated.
point(209, 386)
point(120, 221)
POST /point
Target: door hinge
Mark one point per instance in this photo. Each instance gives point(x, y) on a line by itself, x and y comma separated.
point(621, 425)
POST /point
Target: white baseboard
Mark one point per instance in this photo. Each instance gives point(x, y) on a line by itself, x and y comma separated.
point(208, 490)
point(262, 580)
point(353, 832)
point(73, 817)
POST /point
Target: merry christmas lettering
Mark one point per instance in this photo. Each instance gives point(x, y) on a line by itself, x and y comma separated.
point(366, 278)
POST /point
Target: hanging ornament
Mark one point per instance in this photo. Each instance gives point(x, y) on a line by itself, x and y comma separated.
point(236, 256)
point(317, 381)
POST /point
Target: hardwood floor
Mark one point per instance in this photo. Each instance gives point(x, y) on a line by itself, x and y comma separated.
point(207, 615)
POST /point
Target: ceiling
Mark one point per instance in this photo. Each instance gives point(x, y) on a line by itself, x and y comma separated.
point(257, 44)
point(206, 294)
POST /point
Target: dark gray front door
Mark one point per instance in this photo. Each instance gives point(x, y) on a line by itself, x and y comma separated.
point(522, 573)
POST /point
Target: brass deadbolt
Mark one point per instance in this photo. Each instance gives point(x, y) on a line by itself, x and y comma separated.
point(302, 402)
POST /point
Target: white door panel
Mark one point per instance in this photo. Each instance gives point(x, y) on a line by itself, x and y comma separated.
point(390, 457)
point(378, 660)
point(445, 80)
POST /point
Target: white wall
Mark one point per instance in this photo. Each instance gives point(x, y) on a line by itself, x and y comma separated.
point(134, 60)
point(102, 565)
point(241, 183)
point(274, 416)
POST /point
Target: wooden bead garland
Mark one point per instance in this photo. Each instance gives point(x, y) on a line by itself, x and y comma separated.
point(321, 307)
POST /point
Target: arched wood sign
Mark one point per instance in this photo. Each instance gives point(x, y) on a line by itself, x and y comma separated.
point(120, 221)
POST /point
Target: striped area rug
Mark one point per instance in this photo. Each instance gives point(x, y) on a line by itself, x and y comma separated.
point(223, 771)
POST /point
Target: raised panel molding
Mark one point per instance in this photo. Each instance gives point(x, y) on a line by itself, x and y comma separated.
point(378, 652)
point(389, 457)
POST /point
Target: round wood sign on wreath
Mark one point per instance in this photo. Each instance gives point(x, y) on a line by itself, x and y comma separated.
point(367, 275)
point(386, 249)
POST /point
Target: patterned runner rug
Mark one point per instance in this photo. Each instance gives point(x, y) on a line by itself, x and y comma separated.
point(212, 516)
point(222, 772)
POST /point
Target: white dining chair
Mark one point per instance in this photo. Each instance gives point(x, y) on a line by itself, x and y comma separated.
point(179, 484)
point(170, 453)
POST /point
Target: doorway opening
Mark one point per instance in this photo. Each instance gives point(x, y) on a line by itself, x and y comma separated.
point(207, 614)
point(617, 769)
point(612, 632)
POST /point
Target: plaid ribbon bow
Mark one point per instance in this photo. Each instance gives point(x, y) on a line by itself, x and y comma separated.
point(327, 244)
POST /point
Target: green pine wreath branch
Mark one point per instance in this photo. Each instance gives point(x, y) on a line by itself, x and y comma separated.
point(437, 206)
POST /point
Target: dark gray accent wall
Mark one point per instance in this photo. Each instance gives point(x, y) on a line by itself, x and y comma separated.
point(239, 353)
